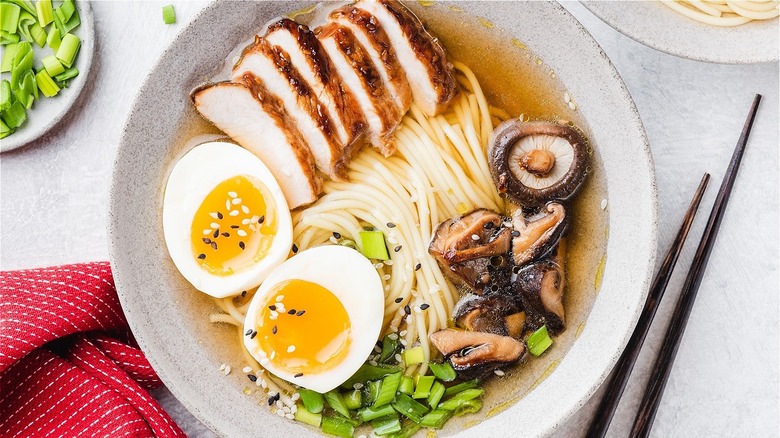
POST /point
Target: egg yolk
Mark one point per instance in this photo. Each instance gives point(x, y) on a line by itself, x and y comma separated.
point(234, 226)
point(303, 327)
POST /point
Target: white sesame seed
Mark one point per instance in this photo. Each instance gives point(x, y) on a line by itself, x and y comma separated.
point(273, 354)
point(403, 342)
point(372, 363)
point(386, 277)
point(232, 194)
point(474, 237)
point(387, 287)
point(279, 298)
point(264, 361)
point(294, 408)
point(233, 213)
point(291, 348)
point(245, 222)
point(397, 358)
point(273, 317)
point(333, 240)
point(499, 373)
point(280, 308)
point(392, 336)
point(236, 201)
point(409, 319)
point(260, 371)
point(241, 233)
point(378, 265)
point(603, 204)
point(389, 262)
point(245, 209)
point(227, 204)
point(286, 409)
point(566, 97)
point(279, 405)
point(214, 225)
point(572, 106)
point(289, 416)
point(358, 385)
point(295, 397)
point(213, 215)
point(263, 383)
point(403, 333)
point(227, 370)
point(222, 367)
point(247, 369)
point(207, 231)
point(417, 309)
point(279, 412)
point(377, 349)
point(262, 353)
point(258, 382)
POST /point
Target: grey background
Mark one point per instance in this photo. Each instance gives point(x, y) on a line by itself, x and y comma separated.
point(54, 197)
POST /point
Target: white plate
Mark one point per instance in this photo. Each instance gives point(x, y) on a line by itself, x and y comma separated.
point(47, 112)
point(659, 27)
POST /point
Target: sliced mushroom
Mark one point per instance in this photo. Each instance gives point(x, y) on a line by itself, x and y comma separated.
point(541, 286)
point(534, 237)
point(472, 249)
point(474, 354)
point(486, 313)
point(537, 162)
point(515, 324)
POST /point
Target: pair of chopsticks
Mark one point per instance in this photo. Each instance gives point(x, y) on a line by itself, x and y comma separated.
point(663, 364)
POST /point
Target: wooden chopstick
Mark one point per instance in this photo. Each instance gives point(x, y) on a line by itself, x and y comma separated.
point(600, 424)
point(663, 364)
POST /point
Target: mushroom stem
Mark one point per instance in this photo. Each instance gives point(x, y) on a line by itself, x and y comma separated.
point(538, 162)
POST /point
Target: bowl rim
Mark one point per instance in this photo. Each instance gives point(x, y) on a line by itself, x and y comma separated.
point(174, 382)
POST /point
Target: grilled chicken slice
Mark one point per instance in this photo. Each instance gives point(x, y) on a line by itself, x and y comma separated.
point(248, 114)
point(272, 66)
point(421, 56)
point(308, 57)
point(374, 39)
point(360, 75)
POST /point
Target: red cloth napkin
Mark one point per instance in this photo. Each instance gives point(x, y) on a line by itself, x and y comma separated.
point(68, 363)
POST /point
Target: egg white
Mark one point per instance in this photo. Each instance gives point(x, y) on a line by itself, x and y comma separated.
point(193, 177)
point(351, 277)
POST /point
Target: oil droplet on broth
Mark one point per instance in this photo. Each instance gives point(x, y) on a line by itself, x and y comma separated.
point(545, 374)
point(519, 44)
point(425, 3)
point(502, 407)
point(487, 23)
point(580, 328)
point(599, 274)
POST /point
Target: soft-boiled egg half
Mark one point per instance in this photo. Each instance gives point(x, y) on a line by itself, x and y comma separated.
point(225, 219)
point(316, 318)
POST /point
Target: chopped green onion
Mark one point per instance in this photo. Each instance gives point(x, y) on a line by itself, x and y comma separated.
point(372, 244)
point(8, 57)
point(386, 426)
point(408, 428)
point(368, 372)
point(452, 390)
point(458, 399)
point(336, 402)
point(409, 407)
point(389, 347)
point(353, 399)
point(437, 392)
point(38, 35)
point(52, 65)
point(169, 15)
point(5, 131)
point(66, 18)
point(45, 12)
point(26, 20)
point(46, 84)
point(388, 389)
point(9, 17)
point(338, 427)
point(407, 385)
point(372, 413)
point(436, 418)
point(443, 371)
point(8, 38)
point(23, 62)
point(539, 341)
point(69, 73)
point(54, 39)
point(469, 407)
point(370, 392)
point(314, 401)
point(66, 10)
point(5, 95)
point(24, 4)
point(349, 243)
point(69, 47)
point(304, 416)
point(424, 384)
point(413, 356)
point(15, 115)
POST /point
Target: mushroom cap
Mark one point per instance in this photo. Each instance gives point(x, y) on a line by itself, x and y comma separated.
point(537, 162)
point(475, 354)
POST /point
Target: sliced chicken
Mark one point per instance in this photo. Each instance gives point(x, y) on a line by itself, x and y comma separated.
point(420, 54)
point(308, 57)
point(374, 39)
point(272, 66)
point(360, 75)
point(249, 116)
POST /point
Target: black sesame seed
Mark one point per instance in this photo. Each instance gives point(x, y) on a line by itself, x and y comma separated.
point(407, 310)
point(252, 377)
point(516, 269)
point(399, 299)
point(300, 313)
point(298, 375)
point(216, 233)
point(206, 240)
point(515, 233)
point(272, 307)
point(291, 312)
point(261, 219)
point(241, 245)
point(424, 306)
point(489, 225)
point(274, 330)
point(390, 225)
point(214, 245)
point(235, 227)
point(254, 333)
point(248, 332)
point(219, 215)
point(271, 401)
point(243, 293)
point(294, 248)
point(397, 248)
point(418, 266)
point(226, 234)
point(277, 396)
point(202, 256)
point(336, 235)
